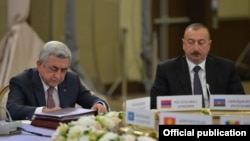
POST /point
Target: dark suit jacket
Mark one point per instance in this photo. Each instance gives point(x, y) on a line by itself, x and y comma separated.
point(172, 78)
point(27, 93)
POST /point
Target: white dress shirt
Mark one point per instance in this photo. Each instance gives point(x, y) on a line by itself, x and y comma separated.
point(202, 76)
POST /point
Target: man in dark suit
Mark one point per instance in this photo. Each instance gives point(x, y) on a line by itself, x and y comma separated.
point(28, 90)
point(175, 76)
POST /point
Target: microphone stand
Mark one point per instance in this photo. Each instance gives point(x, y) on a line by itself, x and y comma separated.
point(208, 96)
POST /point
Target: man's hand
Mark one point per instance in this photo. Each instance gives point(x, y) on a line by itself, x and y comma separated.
point(101, 109)
point(51, 109)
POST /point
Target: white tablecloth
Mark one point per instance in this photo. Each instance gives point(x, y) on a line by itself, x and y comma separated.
point(24, 136)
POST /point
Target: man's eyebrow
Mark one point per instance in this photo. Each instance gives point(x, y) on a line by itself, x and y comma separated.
point(59, 68)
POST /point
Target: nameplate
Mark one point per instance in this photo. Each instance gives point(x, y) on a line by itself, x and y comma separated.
point(230, 102)
point(235, 120)
point(140, 117)
point(138, 103)
point(179, 103)
point(174, 118)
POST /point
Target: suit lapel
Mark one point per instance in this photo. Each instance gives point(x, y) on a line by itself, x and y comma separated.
point(62, 93)
point(38, 89)
point(184, 77)
point(211, 74)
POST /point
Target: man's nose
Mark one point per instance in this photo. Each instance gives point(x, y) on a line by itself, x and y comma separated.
point(58, 73)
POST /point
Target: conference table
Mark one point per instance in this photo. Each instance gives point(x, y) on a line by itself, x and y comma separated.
point(47, 132)
point(26, 136)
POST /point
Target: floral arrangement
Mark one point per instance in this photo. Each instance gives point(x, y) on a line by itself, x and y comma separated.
point(96, 128)
point(206, 111)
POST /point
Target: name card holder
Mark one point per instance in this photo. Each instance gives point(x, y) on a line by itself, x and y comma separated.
point(179, 103)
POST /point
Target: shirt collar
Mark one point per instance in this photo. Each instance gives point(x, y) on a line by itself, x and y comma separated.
point(45, 86)
point(192, 65)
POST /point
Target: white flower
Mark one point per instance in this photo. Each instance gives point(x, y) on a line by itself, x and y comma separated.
point(58, 137)
point(84, 138)
point(112, 114)
point(110, 136)
point(63, 128)
point(127, 137)
point(88, 121)
point(145, 138)
point(76, 132)
point(61, 132)
point(106, 122)
point(95, 134)
point(95, 128)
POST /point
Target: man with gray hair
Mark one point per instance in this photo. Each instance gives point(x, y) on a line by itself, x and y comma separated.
point(29, 89)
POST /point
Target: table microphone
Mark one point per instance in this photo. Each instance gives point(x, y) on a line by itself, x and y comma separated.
point(10, 127)
point(208, 94)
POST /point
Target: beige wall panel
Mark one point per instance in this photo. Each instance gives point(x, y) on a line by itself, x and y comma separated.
point(106, 39)
point(40, 18)
point(130, 18)
point(58, 20)
point(97, 34)
point(3, 19)
point(47, 18)
point(84, 37)
point(234, 9)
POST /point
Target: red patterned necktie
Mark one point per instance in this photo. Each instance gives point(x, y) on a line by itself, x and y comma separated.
point(50, 100)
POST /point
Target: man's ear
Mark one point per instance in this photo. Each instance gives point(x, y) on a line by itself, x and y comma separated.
point(38, 63)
